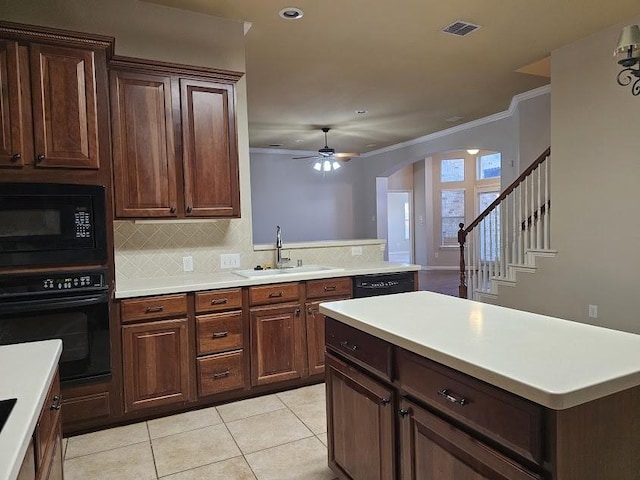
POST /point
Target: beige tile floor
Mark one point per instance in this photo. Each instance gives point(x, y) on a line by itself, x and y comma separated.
point(274, 437)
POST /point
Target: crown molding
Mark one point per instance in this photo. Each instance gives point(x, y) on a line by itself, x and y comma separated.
point(515, 101)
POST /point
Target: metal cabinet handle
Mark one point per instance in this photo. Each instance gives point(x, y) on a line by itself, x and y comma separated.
point(16, 157)
point(385, 401)
point(219, 334)
point(275, 294)
point(297, 311)
point(403, 412)
point(172, 210)
point(154, 309)
point(57, 402)
point(189, 209)
point(351, 347)
point(222, 374)
point(40, 158)
point(330, 288)
point(451, 398)
point(310, 311)
point(219, 301)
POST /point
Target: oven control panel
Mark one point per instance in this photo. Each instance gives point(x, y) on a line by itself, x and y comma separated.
point(11, 285)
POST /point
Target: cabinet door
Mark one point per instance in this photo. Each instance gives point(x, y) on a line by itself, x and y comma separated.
point(315, 336)
point(432, 449)
point(277, 344)
point(359, 424)
point(156, 363)
point(144, 159)
point(65, 117)
point(12, 148)
point(210, 156)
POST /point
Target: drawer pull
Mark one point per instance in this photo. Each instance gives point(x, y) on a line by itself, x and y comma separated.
point(385, 401)
point(57, 402)
point(219, 334)
point(154, 309)
point(330, 288)
point(450, 398)
point(221, 374)
point(275, 294)
point(219, 301)
point(351, 347)
point(403, 412)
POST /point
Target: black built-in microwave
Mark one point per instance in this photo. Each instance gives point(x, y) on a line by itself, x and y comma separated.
point(48, 224)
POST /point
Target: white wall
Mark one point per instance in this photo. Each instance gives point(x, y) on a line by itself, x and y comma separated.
point(595, 169)
point(307, 204)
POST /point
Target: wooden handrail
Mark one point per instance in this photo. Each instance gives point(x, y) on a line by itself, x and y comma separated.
point(508, 190)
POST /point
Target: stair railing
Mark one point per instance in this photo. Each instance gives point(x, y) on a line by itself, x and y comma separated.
point(515, 223)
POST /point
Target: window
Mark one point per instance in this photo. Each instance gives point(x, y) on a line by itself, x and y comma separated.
point(452, 202)
point(452, 170)
point(488, 166)
point(489, 231)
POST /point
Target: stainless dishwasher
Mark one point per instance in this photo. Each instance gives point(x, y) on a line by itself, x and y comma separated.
point(383, 284)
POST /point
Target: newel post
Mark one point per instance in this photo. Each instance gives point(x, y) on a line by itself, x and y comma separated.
point(462, 238)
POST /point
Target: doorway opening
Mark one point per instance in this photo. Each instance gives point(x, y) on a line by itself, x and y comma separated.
point(400, 226)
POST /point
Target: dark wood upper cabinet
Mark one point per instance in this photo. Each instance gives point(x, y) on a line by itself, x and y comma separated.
point(210, 156)
point(175, 140)
point(53, 102)
point(65, 117)
point(144, 163)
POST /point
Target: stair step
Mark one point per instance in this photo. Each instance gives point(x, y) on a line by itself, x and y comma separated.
point(522, 267)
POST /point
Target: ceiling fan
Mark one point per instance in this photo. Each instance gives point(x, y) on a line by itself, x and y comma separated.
point(328, 157)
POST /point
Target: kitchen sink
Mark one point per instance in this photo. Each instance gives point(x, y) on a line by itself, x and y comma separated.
point(285, 272)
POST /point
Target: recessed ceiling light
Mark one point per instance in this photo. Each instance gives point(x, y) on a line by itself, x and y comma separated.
point(291, 13)
point(361, 112)
point(276, 144)
point(453, 119)
point(299, 140)
point(371, 145)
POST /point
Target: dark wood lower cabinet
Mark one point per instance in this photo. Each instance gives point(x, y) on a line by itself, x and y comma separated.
point(360, 425)
point(156, 363)
point(432, 449)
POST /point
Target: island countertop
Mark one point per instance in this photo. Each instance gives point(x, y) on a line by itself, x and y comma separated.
point(26, 371)
point(553, 362)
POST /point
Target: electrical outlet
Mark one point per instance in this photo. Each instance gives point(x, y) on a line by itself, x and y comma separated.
point(187, 264)
point(230, 260)
point(593, 311)
point(356, 251)
point(435, 254)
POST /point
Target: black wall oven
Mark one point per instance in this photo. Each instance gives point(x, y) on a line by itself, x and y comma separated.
point(52, 224)
point(72, 306)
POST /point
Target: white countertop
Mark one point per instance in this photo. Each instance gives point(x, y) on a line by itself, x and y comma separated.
point(553, 362)
point(26, 370)
point(140, 287)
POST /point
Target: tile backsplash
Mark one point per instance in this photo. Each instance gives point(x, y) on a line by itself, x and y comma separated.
point(152, 250)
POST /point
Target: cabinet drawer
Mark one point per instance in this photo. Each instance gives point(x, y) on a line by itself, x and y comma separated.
point(366, 350)
point(280, 292)
point(499, 415)
point(218, 300)
point(219, 373)
point(329, 287)
point(219, 332)
point(153, 307)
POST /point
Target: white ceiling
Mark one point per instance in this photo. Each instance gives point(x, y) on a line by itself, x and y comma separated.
point(391, 59)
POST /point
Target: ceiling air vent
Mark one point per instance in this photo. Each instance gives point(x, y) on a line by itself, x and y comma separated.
point(460, 28)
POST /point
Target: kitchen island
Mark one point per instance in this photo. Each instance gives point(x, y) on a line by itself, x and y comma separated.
point(31, 436)
point(476, 391)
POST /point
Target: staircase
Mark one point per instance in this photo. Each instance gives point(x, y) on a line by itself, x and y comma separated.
point(508, 236)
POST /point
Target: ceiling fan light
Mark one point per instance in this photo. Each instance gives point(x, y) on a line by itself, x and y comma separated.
point(472, 151)
point(317, 166)
point(336, 165)
point(326, 166)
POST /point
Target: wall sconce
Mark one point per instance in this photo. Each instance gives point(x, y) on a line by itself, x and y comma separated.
point(629, 43)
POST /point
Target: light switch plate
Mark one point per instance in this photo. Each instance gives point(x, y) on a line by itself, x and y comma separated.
point(187, 264)
point(230, 260)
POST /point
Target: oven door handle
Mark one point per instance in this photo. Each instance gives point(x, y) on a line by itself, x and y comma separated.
point(37, 305)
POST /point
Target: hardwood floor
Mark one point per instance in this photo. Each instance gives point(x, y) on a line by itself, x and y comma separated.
point(441, 281)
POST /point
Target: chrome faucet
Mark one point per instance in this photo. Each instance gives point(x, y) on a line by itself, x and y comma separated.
point(280, 260)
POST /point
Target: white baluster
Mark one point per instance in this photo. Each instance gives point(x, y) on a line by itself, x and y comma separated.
point(514, 226)
point(547, 213)
point(539, 211)
point(520, 235)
